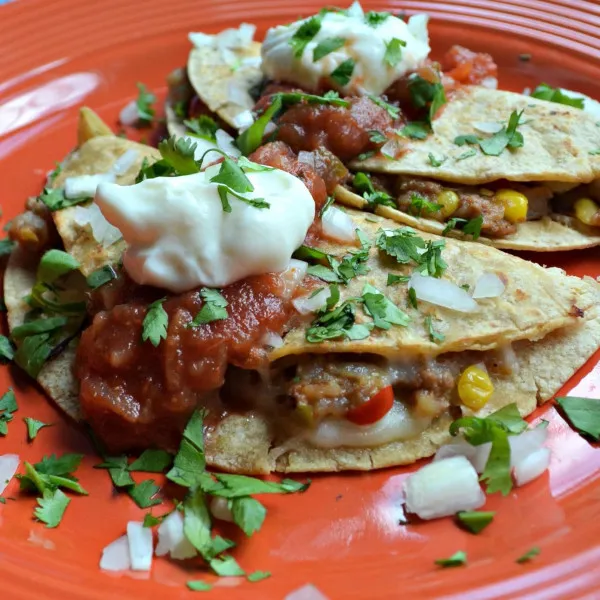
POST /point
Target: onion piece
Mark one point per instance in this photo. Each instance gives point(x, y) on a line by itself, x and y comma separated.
point(308, 591)
point(389, 149)
point(338, 225)
point(489, 285)
point(397, 424)
point(417, 25)
point(310, 304)
point(238, 94)
point(270, 338)
point(251, 62)
point(293, 276)
point(526, 443)
point(115, 557)
point(104, 233)
point(125, 162)
point(270, 127)
point(491, 83)
point(85, 185)
point(487, 126)
point(356, 10)
point(244, 119)
point(219, 508)
point(532, 466)
point(476, 455)
point(129, 114)
point(172, 540)
point(9, 463)
point(308, 158)
point(225, 143)
point(199, 39)
point(443, 488)
point(139, 540)
point(441, 292)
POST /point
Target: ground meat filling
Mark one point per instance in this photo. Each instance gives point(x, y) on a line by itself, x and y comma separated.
point(472, 204)
point(137, 396)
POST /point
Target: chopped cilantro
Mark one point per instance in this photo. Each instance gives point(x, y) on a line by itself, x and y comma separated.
point(436, 162)
point(38, 326)
point(362, 183)
point(393, 52)
point(6, 246)
point(226, 567)
point(583, 414)
point(529, 555)
point(51, 507)
point(144, 103)
point(467, 154)
point(383, 311)
point(374, 19)
point(55, 173)
point(248, 514)
point(416, 130)
point(343, 72)
point(189, 461)
point(55, 199)
point(213, 309)
point(434, 336)
point(33, 427)
point(366, 155)
point(143, 493)
point(7, 350)
point(179, 154)
point(419, 203)
point(402, 244)
point(258, 576)
point(304, 35)
point(118, 470)
point(594, 152)
point(203, 126)
point(431, 262)
point(507, 137)
point(426, 95)
point(8, 405)
point(151, 520)
point(452, 223)
point(377, 137)
point(196, 521)
point(252, 138)
point(330, 200)
point(473, 227)
point(393, 111)
point(198, 585)
point(474, 521)
point(154, 326)
point(337, 322)
point(456, 560)
point(152, 461)
point(470, 138)
point(546, 92)
point(331, 97)
point(327, 46)
point(101, 277)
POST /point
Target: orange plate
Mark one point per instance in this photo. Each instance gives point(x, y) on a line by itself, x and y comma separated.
point(343, 535)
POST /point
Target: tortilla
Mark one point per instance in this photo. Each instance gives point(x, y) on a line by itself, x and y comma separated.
point(549, 234)
point(559, 142)
point(536, 301)
point(96, 156)
point(222, 84)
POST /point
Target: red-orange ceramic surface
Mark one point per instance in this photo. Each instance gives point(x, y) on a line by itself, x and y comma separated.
point(344, 534)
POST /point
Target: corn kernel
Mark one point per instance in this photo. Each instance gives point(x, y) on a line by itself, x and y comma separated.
point(585, 210)
point(475, 387)
point(449, 201)
point(515, 205)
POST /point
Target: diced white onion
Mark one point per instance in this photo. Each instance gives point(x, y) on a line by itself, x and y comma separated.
point(272, 339)
point(308, 158)
point(489, 285)
point(306, 305)
point(532, 466)
point(526, 443)
point(441, 292)
point(293, 276)
point(338, 225)
point(9, 463)
point(172, 540)
point(417, 25)
point(398, 424)
point(270, 127)
point(244, 119)
point(306, 592)
point(229, 38)
point(487, 126)
point(476, 455)
point(526, 91)
point(251, 62)
point(238, 94)
point(85, 185)
point(356, 10)
point(246, 33)
point(225, 143)
point(115, 557)
point(129, 114)
point(219, 507)
point(490, 82)
point(389, 149)
point(125, 162)
point(139, 539)
point(443, 488)
point(104, 233)
point(199, 39)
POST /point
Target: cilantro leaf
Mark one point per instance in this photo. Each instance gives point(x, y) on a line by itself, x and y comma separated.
point(468, 154)
point(473, 227)
point(61, 465)
point(154, 326)
point(452, 223)
point(304, 35)
point(51, 508)
point(474, 521)
point(436, 162)
point(376, 137)
point(199, 586)
point(101, 277)
point(44, 325)
point(8, 402)
point(337, 322)
point(55, 199)
point(179, 154)
point(202, 126)
point(189, 461)
point(152, 461)
point(426, 95)
point(144, 103)
point(416, 130)
point(331, 98)
point(402, 244)
point(393, 52)
point(431, 261)
point(434, 336)
point(470, 138)
point(529, 555)
point(32, 354)
point(342, 74)
point(143, 494)
point(456, 560)
point(374, 19)
point(507, 137)
point(118, 470)
point(384, 312)
point(393, 279)
point(583, 414)
point(238, 486)
point(196, 522)
point(7, 350)
point(392, 111)
point(419, 203)
point(546, 92)
point(248, 514)
point(6, 246)
point(327, 46)
point(258, 576)
point(213, 308)
point(330, 200)
point(226, 567)
point(362, 183)
point(33, 427)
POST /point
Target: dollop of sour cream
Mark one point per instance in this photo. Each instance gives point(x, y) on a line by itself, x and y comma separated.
point(379, 49)
point(180, 238)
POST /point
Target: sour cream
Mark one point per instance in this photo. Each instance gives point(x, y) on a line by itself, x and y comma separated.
point(364, 43)
point(179, 237)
